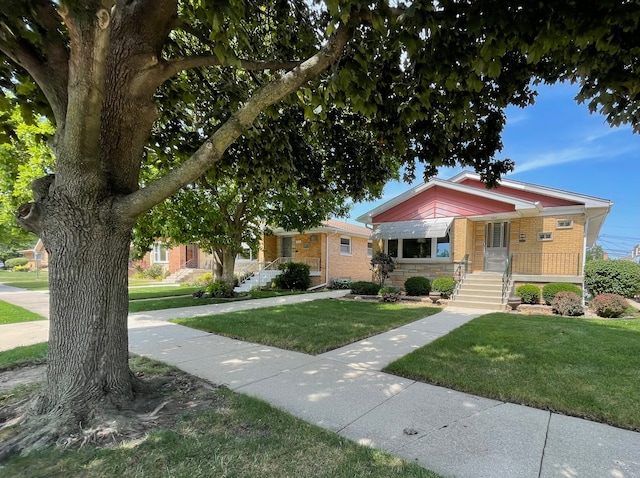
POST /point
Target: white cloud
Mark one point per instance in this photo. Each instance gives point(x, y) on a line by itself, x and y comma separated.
point(563, 156)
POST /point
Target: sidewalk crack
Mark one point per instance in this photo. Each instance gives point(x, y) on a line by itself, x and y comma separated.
point(544, 446)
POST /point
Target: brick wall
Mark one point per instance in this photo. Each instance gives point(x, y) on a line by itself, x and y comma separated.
point(355, 266)
point(560, 255)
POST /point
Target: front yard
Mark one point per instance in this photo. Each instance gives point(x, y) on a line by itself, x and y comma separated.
point(312, 327)
point(582, 367)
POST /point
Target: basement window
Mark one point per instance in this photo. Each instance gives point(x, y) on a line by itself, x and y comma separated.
point(564, 224)
point(545, 236)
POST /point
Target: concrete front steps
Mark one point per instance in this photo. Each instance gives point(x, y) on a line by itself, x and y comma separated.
point(480, 290)
point(259, 279)
point(179, 276)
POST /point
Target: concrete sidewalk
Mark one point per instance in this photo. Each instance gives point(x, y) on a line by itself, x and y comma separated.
point(453, 433)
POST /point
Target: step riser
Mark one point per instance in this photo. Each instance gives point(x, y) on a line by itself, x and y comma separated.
point(481, 291)
point(478, 305)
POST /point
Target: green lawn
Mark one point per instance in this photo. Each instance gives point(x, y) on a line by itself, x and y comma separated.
point(312, 327)
point(25, 280)
point(236, 436)
point(158, 292)
point(168, 299)
point(580, 367)
point(12, 314)
point(26, 355)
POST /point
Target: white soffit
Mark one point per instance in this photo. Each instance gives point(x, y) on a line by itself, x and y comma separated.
point(413, 229)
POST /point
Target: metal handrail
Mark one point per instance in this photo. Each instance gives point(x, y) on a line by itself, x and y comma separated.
point(506, 278)
point(459, 275)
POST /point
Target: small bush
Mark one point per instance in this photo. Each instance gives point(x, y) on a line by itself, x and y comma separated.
point(24, 268)
point(567, 303)
point(295, 276)
point(612, 277)
point(417, 286)
point(444, 285)
point(549, 291)
point(219, 288)
point(364, 288)
point(154, 271)
point(16, 262)
point(382, 265)
point(389, 294)
point(609, 305)
point(203, 280)
point(340, 284)
point(529, 293)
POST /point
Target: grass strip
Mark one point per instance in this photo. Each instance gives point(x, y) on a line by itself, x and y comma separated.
point(25, 280)
point(312, 327)
point(173, 302)
point(12, 314)
point(580, 367)
point(158, 292)
point(25, 355)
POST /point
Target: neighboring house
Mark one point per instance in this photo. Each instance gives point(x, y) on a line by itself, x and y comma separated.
point(38, 256)
point(334, 250)
point(441, 227)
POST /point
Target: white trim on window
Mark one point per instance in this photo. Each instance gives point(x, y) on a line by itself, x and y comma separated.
point(369, 248)
point(545, 236)
point(432, 254)
point(345, 246)
point(160, 253)
point(564, 224)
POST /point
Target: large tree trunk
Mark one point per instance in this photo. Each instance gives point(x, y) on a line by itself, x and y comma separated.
point(228, 264)
point(216, 266)
point(88, 368)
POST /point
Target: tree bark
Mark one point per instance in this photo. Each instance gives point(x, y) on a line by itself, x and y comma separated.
point(88, 368)
point(228, 263)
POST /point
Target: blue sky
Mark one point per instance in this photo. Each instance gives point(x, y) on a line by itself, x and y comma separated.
point(559, 144)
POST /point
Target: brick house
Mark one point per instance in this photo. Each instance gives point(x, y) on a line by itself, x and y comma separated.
point(533, 233)
point(334, 250)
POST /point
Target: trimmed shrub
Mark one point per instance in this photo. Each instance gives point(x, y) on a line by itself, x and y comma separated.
point(340, 284)
point(219, 288)
point(609, 305)
point(364, 288)
point(567, 303)
point(529, 293)
point(24, 268)
point(444, 285)
point(16, 261)
point(612, 277)
point(417, 286)
point(295, 276)
point(549, 291)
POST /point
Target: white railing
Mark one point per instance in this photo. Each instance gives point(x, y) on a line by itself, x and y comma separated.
point(258, 268)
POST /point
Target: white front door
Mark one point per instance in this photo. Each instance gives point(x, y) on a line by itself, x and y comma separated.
point(496, 246)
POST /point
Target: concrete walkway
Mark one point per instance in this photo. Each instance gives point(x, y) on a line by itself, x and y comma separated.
point(453, 433)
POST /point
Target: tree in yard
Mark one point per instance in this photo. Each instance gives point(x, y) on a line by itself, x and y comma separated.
point(293, 183)
point(595, 252)
point(431, 78)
